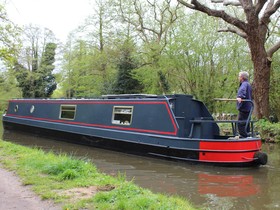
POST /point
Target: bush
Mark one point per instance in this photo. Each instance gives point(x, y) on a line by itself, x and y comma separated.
point(270, 132)
point(3, 106)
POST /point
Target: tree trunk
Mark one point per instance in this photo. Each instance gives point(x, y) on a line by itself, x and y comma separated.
point(262, 67)
point(261, 89)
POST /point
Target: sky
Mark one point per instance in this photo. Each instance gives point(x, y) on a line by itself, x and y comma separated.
point(60, 16)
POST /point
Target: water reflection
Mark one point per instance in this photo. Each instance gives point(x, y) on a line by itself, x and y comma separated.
point(227, 185)
point(205, 186)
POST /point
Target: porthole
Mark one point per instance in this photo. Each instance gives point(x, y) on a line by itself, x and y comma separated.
point(16, 108)
point(32, 109)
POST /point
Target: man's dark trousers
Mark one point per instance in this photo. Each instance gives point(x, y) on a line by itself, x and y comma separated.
point(243, 116)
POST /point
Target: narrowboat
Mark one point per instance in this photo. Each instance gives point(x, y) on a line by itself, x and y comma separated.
point(176, 127)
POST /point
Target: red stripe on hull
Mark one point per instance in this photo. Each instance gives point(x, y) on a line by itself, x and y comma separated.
point(229, 151)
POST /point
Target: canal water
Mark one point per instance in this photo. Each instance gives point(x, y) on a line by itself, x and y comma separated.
point(207, 187)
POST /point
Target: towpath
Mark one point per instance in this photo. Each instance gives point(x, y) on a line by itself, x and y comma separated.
point(14, 195)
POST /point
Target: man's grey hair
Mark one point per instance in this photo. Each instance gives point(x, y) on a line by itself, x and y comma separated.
point(244, 75)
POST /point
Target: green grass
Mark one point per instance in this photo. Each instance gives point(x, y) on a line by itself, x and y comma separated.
point(53, 175)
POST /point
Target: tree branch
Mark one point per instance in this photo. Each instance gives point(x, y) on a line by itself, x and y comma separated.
point(195, 5)
point(141, 22)
point(235, 31)
point(186, 4)
point(247, 5)
point(227, 2)
point(231, 2)
point(260, 5)
point(217, 1)
point(273, 49)
point(270, 10)
point(153, 5)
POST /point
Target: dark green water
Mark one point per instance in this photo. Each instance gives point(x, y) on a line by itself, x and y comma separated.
point(205, 186)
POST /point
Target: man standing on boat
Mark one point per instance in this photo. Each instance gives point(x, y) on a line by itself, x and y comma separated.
point(244, 108)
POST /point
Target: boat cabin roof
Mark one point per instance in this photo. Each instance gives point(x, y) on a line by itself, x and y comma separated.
point(114, 96)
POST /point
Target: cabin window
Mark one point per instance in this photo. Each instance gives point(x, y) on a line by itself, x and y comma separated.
point(67, 112)
point(122, 115)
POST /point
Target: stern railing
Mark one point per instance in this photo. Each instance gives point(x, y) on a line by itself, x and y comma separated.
point(234, 123)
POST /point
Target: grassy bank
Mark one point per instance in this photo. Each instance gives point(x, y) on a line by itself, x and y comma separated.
point(77, 184)
point(270, 132)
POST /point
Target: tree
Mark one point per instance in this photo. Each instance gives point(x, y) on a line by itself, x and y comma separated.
point(9, 45)
point(151, 22)
point(25, 80)
point(255, 30)
point(46, 84)
point(34, 66)
point(125, 83)
point(78, 80)
point(95, 57)
point(9, 34)
point(86, 70)
point(8, 88)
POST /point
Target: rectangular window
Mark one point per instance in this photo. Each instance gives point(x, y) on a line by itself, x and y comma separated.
point(122, 115)
point(67, 112)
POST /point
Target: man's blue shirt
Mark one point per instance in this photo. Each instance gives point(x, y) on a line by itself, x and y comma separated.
point(244, 92)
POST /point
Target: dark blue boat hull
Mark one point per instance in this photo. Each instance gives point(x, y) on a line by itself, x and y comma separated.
point(169, 153)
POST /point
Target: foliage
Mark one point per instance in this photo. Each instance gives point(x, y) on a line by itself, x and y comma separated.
point(87, 71)
point(150, 23)
point(9, 34)
point(163, 83)
point(275, 90)
point(25, 80)
point(9, 44)
point(8, 89)
point(269, 132)
point(40, 82)
point(125, 83)
point(45, 84)
point(51, 176)
point(34, 65)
